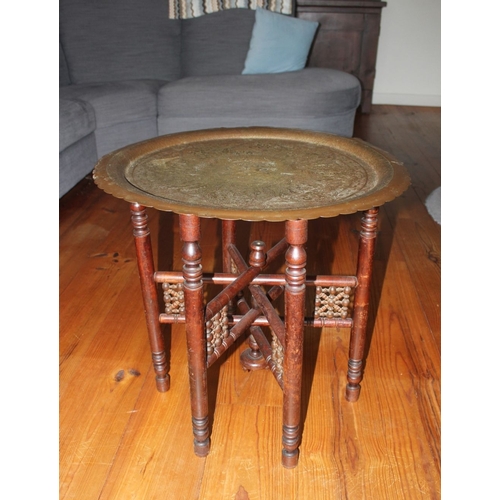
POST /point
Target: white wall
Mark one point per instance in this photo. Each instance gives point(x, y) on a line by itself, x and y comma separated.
point(409, 54)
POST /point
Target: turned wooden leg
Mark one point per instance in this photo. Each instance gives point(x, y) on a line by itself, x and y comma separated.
point(295, 291)
point(228, 238)
point(149, 294)
point(364, 273)
point(195, 331)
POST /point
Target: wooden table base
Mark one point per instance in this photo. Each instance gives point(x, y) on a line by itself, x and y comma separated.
point(212, 328)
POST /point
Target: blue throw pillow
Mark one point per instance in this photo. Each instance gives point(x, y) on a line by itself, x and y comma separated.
point(279, 43)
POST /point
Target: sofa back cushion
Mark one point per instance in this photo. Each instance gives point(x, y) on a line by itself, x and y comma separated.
point(216, 43)
point(110, 40)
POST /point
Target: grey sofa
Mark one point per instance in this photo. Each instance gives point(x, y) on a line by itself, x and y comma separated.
point(129, 73)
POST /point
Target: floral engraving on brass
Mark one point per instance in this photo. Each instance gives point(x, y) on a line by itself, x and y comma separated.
point(266, 174)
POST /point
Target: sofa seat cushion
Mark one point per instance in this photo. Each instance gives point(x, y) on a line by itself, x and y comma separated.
point(76, 121)
point(313, 99)
point(125, 111)
point(117, 102)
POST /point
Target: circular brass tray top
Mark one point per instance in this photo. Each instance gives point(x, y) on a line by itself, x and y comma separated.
point(254, 173)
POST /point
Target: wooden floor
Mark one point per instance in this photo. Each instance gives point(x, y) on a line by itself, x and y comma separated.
point(121, 439)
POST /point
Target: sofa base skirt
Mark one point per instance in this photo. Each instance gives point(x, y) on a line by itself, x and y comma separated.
point(342, 124)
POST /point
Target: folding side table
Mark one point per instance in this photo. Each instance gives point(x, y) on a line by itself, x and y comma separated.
point(253, 174)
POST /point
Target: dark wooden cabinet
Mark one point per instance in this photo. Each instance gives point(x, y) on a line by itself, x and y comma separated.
point(347, 38)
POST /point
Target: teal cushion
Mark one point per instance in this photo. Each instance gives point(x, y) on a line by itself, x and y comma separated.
point(279, 43)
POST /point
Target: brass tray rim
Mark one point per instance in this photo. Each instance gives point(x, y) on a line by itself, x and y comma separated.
point(109, 176)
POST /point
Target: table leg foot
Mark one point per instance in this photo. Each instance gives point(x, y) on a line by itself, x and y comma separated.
point(202, 449)
point(163, 384)
point(251, 358)
point(290, 452)
point(352, 393)
point(289, 461)
point(201, 437)
point(354, 373)
point(160, 367)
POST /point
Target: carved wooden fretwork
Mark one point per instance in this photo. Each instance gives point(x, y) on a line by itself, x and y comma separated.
point(277, 355)
point(333, 302)
point(173, 296)
point(217, 330)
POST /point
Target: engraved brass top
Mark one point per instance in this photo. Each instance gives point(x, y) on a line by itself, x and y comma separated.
point(255, 173)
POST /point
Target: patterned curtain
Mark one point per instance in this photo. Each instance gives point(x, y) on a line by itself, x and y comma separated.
point(185, 9)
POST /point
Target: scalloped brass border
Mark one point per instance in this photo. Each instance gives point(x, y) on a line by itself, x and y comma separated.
point(109, 175)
